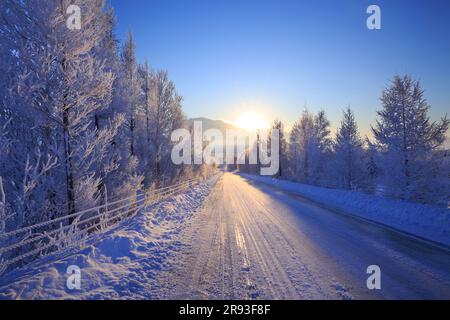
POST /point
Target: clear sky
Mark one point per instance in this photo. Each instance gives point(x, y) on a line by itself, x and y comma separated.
point(227, 57)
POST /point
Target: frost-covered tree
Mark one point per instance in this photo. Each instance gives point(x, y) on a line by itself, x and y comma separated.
point(349, 153)
point(144, 143)
point(371, 157)
point(321, 150)
point(165, 116)
point(111, 171)
point(146, 80)
point(409, 142)
point(130, 88)
point(302, 134)
point(76, 121)
point(284, 151)
point(126, 92)
point(23, 39)
point(310, 148)
point(61, 84)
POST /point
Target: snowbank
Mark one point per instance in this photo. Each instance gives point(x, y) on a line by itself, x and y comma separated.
point(421, 220)
point(124, 263)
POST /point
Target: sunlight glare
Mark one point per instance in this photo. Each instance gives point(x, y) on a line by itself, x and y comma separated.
point(251, 121)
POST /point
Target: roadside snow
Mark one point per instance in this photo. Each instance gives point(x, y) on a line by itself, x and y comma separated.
point(425, 221)
point(120, 264)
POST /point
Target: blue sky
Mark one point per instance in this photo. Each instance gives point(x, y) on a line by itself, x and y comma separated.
point(227, 57)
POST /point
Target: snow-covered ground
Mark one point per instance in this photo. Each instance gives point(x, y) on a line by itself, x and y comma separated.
point(242, 248)
point(254, 241)
point(425, 221)
point(121, 264)
point(239, 238)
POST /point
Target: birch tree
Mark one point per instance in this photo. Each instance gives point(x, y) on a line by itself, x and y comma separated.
point(309, 148)
point(300, 147)
point(131, 88)
point(165, 116)
point(62, 84)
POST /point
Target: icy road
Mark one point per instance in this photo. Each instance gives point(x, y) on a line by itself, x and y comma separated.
point(256, 242)
point(234, 238)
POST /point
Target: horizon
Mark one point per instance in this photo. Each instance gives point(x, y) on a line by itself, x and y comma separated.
point(250, 56)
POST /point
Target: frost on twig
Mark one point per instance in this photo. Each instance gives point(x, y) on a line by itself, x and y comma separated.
point(3, 218)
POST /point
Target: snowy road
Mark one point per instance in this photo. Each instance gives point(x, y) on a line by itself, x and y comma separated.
point(251, 241)
point(234, 238)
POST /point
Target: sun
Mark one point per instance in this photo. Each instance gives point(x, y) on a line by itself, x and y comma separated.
point(251, 121)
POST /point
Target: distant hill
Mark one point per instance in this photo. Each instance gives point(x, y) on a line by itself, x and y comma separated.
point(213, 124)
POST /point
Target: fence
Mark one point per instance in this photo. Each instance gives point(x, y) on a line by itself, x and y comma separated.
point(71, 230)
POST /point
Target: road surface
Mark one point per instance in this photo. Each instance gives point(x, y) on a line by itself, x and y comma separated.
point(251, 241)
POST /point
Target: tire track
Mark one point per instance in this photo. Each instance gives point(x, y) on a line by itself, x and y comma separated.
point(265, 253)
point(284, 232)
point(242, 250)
point(198, 280)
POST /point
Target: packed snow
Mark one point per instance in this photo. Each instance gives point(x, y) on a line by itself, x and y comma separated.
point(425, 221)
point(253, 241)
point(120, 264)
point(238, 238)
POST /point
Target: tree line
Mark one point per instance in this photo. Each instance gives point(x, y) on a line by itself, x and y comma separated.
point(80, 118)
point(404, 159)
